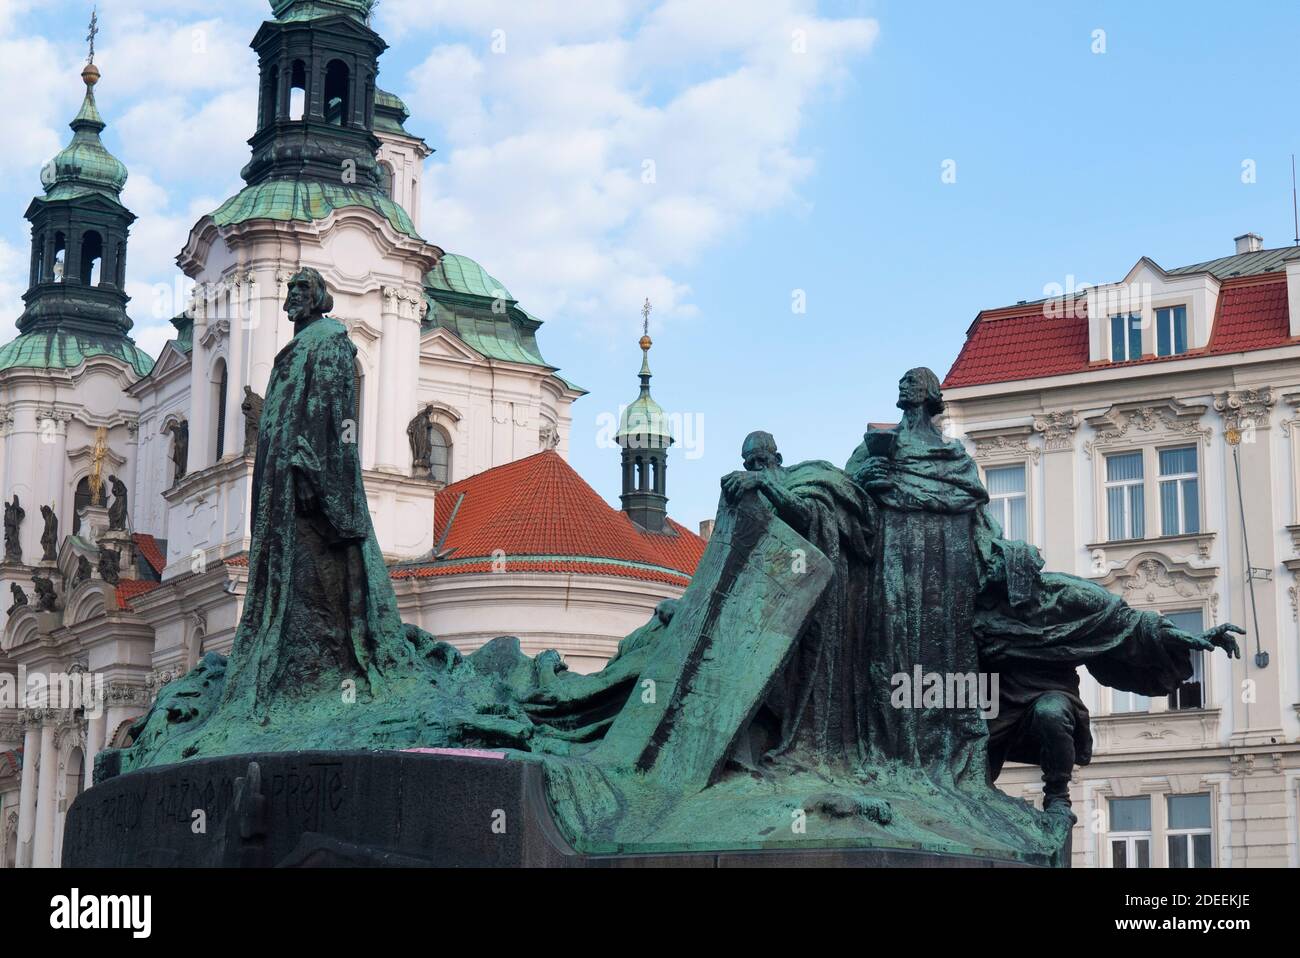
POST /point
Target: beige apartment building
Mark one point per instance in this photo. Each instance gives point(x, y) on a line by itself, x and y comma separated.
point(1146, 434)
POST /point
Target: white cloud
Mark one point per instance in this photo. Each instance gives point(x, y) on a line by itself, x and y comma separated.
point(605, 150)
point(14, 263)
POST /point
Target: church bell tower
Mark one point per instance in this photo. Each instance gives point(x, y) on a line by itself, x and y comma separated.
point(318, 61)
point(79, 235)
point(645, 436)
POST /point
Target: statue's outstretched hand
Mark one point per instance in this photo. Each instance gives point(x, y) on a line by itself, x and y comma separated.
point(1220, 637)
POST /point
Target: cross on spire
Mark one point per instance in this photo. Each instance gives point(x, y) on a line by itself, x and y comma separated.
point(645, 317)
point(94, 32)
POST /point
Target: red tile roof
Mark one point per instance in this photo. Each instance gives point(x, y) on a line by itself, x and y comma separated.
point(540, 515)
point(1028, 342)
point(147, 546)
point(128, 589)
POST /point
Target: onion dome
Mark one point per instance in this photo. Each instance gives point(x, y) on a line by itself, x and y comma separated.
point(645, 424)
point(85, 165)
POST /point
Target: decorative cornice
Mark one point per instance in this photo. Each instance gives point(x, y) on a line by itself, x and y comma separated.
point(1245, 409)
point(119, 693)
point(1011, 442)
point(217, 332)
point(1126, 422)
point(1057, 428)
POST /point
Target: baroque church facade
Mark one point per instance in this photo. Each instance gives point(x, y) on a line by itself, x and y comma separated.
point(127, 477)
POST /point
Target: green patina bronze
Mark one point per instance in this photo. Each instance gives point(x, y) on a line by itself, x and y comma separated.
point(760, 710)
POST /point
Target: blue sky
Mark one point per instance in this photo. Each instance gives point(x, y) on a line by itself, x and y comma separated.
point(795, 146)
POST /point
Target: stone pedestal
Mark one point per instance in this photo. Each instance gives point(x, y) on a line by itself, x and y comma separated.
point(94, 522)
point(363, 809)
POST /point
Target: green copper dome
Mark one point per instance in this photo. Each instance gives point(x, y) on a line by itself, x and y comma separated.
point(85, 166)
point(460, 274)
point(307, 201)
point(66, 349)
point(644, 423)
point(358, 10)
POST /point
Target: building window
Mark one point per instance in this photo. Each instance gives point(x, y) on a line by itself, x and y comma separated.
point(1125, 337)
point(1189, 835)
point(1180, 501)
point(1171, 331)
point(387, 180)
point(1125, 497)
point(1130, 832)
point(1190, 694)
point(1121, 701)
point(1006, 486)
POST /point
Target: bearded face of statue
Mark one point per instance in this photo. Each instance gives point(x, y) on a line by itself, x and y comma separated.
point(302, 298)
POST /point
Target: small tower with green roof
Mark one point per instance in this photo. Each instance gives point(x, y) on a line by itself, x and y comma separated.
point(645, 436)
point(75, 304)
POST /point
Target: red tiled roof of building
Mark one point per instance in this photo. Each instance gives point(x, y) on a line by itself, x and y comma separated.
point(548, 566)
point(147, 546)
point(539, 514)
point(128, 589)
point(1051, 339)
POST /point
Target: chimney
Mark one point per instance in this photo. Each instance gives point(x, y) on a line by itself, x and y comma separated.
point(1249, 243)
point(706, 529)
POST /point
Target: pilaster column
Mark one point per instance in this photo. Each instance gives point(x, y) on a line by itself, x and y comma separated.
point(27, 793)
point(94, 742)
point(46, 800)
point(399, 350)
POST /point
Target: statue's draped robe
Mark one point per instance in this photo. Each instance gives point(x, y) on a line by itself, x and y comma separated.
point(319, 600)
point(920, 600)
point(816, 707)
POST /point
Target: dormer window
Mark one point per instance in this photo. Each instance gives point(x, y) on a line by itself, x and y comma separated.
point(1126, 337)
point(1171, 331)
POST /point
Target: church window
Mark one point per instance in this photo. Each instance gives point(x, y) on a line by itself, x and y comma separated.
point(386, 178)
point(440, 456)
point(59, 266)
point(80, 499)
point(298, 90)
point(337, 88)
point(223, 385)
point(92, 257)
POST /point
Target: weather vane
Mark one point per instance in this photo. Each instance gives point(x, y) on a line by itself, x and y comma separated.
point(94, 32)
point(645, 317)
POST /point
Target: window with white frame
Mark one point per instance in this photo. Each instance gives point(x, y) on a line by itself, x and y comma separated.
point(1125, 496)
point(1130, 832)
point(1125, 337)
point(1189, 834)
point(1171, 331)
point(1121, 701)
point(1180, 496)
point(1007, 499)
point(1190, 694)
